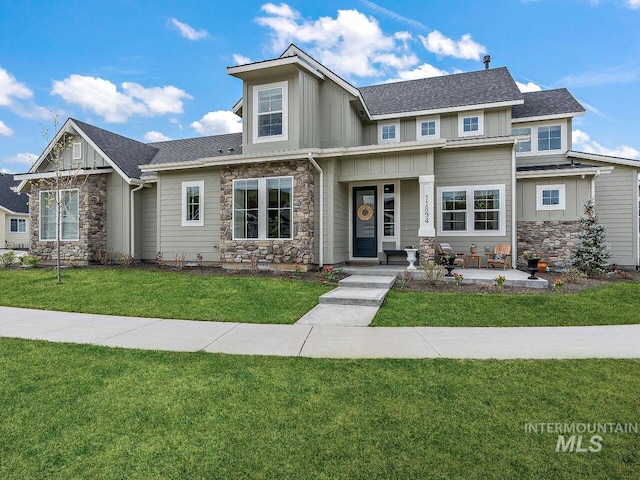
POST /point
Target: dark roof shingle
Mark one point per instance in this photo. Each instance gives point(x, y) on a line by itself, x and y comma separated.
point(547, 102)
point(189, 149)
point(15, 202)
point(461, 89)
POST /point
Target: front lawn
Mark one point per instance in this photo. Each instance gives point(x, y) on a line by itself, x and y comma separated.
point(616, 303)
point(78, 411)
point(161, 294)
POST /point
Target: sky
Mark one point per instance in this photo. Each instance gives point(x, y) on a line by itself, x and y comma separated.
point(155, 70)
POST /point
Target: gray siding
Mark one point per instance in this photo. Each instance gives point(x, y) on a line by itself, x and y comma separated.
point(174, 239)
point(497, 122)
point(339, 123)
point(577, 190)
point(389, 166)
point(309, 117)
point(90, 158)
point(336, 215)
point(118, 214)
point(149, 223)
point(409, 212)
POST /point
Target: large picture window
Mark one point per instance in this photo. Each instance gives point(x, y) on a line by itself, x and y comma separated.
point(477, 210)
point(18, 225)
point(270, 119)
point(262, 208)
point(193, 204)
point(68, 200)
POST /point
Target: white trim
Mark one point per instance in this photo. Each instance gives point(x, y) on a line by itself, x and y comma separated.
point(396, 130)
point(56, 214)
point(435, 111)
point(76, 151)
point(469, 211)
point(544, 118)
point(276, 62)
point(562, 202)
point(26, 225)
point(519, 142)
point(65, 173)
point(567, 172)
point(200, 221)
point(604, 158)
point(396, 214)
point(263, 209)
point(420, 121)
point(534, 152)
point(284, 136)
point(474, 133)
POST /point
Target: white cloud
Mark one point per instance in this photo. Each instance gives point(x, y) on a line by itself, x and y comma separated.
point(633, 4)
point(187, 31)
point(464, 48)
point(103, 98)
point(349, 44)
point(425, 70)
point(218, 122)
point(154, 136)
point(5, 130)
point(23, 161)
point(529, 87)
point(584, 143)
point(240, 59)
point(393, 15)
point(18, 97)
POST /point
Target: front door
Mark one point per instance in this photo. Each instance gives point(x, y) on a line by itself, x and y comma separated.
point(365, 236)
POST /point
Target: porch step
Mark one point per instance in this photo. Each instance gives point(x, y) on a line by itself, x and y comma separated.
point(367, 297)
point(368, 281)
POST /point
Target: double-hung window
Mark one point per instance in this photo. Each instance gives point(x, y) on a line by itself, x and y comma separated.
point(550, 197)
point(549, 138)
point(67, 200)
point(477, 210)
point(270, 119)
point(471, 124)
point(18, 225)
point(263, 208)
point(193, 204)
point(522, 146)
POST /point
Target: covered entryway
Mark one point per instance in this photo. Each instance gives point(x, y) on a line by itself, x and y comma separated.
point(365, 226)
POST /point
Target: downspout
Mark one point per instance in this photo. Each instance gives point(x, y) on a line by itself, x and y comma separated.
point(514, 195)
point(132, 223)
point(321, 227)
point(593, 185)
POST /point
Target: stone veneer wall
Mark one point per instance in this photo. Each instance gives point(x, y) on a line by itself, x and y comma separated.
point(279, 252)
point(427, 249)
point(92, 222)
point(554, 240)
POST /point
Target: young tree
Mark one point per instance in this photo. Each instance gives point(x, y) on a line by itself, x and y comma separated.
point(591, 254)
point(65, 179)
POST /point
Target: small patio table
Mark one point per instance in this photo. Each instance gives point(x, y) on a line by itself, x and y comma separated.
point(472, 257)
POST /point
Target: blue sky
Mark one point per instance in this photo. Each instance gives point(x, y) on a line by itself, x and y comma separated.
point(154, 70)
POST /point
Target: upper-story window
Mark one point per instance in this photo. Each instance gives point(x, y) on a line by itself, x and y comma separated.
point(522, 146)
point(389, 132)
point(470, 124)
point(550, 197)
point(549, 138)
point(428, 128)
point(270, 119)
point(77, 151)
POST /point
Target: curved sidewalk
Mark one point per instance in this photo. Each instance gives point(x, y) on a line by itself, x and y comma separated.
point(615, 341)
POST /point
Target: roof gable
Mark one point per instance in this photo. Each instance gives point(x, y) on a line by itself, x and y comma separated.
point(10, 200)
point(547, 103)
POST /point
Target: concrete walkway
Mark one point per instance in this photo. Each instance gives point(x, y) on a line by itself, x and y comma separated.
point(617, 341)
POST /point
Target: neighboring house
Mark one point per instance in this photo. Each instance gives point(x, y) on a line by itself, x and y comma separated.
point(324, 173)
point(14, 215)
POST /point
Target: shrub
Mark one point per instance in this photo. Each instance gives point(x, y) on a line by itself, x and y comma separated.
point(432, 272)
point(8, 258)
point(31, 261)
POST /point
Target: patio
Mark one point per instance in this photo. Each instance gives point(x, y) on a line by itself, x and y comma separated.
point(514, 278)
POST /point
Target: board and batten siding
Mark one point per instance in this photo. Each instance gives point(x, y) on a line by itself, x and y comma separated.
point(577, 190)
point(118, 214)
point(409, 212)
point(176, 240)
point(339, 123)
point(497, 122)
point(385, 167)
point(482, 166)
point(309, 117)
point(90, 158)
point(149, 222)
point(336, 215)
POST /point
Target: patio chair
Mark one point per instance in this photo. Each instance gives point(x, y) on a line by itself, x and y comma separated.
point(446, 249)
point(500, 256)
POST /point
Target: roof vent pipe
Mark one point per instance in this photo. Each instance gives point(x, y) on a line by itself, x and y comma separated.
point(487, 61)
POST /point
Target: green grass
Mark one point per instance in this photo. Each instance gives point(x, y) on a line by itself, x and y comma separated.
point(161, 294)
point(609, 305)
point(72, 411)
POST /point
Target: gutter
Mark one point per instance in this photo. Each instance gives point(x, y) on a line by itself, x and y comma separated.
point(321, 228)
point(132, 222)
point(593, 185)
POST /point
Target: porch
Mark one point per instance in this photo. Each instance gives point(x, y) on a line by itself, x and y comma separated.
point(514, 278)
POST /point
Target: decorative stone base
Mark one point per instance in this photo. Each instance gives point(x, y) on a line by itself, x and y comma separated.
point(427, 249)
point(555, 241)
point(260, 266)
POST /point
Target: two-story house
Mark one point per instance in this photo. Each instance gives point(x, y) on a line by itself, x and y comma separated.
point(325, 173)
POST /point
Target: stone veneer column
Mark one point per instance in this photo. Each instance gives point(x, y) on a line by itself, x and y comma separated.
point(427, 231)
point(92, 222)
point(554, 240)
point(282, 254)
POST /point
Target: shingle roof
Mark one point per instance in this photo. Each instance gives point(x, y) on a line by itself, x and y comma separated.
point(563, 166)
point(9, 199)
point(200, 147)
point(125, 152)
point(461, 89)
point(547, 102)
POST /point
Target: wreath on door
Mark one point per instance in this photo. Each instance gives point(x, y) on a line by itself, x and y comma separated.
point(365, 212)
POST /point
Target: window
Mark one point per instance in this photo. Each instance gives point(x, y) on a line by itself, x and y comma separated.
point(270, 119)
point(477, 210)
point(428, 128)
point(389, 210)
point(77, 151)
point(262, 208)
point(193, 204)
point(471, 124)
point(68, 201)
point(549, 138)
point(389, 132)
point(550, 197)
point(522, 146)
point(18, 225)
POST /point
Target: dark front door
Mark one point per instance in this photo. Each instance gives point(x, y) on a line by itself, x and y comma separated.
point(365, 236)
